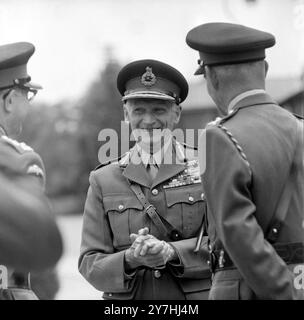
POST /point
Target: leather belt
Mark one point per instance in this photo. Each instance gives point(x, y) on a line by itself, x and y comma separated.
point(291, 253)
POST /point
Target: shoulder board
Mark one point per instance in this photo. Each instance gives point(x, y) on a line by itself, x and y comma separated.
point(298, 116)
point(108, 162)
point(21, 147)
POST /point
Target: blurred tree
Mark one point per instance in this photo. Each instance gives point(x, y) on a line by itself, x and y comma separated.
point(66, 134)
point(100, 108)
point(52, 132)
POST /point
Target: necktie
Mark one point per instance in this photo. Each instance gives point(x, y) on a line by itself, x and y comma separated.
point(152, 169)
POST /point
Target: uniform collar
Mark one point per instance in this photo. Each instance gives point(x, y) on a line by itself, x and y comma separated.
point(136, 171)
point(242, 96)
point(157, 157)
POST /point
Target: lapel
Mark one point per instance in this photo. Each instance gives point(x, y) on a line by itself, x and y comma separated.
point(167, 171)
point(135, 169)
point(257, 99)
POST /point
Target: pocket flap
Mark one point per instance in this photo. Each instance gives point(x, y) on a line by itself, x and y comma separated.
point(195, 285)
point(187, 194)
point(121, 203)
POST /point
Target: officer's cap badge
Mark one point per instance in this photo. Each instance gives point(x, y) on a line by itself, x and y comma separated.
point(148, 79)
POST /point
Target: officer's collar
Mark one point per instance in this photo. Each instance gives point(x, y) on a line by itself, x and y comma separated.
point(174, 152)
point(233, 103)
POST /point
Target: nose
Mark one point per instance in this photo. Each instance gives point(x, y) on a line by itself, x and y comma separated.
point(148, 119)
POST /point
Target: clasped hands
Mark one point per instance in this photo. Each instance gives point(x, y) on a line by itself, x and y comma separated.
point(146, 250)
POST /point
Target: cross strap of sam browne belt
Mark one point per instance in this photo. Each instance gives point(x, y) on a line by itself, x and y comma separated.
point(163, 226)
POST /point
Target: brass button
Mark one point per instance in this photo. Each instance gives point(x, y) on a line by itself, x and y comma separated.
point(120, 207)
point(191, 199)
point(275, 230)
point(203, 196)
point(155, 192)
point(157, 274)
point(110, 294)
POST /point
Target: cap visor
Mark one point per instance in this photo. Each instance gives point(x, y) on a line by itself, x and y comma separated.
point(148, 95)
point(199, 71)
point(33, 85)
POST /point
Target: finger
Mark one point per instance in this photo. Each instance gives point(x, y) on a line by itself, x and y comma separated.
point(157, 248)
point(133, 237)
point(138, 248)
point(146, 247)
point(143, 231)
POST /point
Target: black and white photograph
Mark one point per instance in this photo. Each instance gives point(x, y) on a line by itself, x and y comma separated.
point(152, 151)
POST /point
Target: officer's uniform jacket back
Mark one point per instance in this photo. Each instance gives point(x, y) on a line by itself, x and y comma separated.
point(112, 212)
point(253, 156)
point(25, 168)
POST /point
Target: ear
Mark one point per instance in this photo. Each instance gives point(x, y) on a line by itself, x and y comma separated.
point(212, 77)
point(266, 68)
point(8, 101)
point(126, 112)
point(177, 111)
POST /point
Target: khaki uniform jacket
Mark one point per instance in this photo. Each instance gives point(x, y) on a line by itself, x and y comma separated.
point(250, 163)
point(112, 212)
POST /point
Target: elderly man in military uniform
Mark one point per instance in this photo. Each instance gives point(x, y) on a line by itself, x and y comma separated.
point(253, 177)
point(16, 91)
point(143, 213)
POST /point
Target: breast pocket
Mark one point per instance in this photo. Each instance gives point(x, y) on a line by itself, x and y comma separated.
point(125, 216)
point(186, 207)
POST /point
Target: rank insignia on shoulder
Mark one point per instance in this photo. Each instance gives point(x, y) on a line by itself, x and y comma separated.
point(19, 146)
point(191, 175)
point(35, 170)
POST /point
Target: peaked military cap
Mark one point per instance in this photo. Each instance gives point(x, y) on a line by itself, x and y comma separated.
point(226, 43)
point(152, 79)
point(13, 65)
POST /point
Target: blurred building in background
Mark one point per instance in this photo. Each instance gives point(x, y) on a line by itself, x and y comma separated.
point(199, 109)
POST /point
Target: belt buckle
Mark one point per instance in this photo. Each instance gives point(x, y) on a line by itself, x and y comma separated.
point(149, 208)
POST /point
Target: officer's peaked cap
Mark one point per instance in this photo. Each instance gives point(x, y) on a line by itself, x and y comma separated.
point(221, 43)
point(151, 79)
point(13, 65)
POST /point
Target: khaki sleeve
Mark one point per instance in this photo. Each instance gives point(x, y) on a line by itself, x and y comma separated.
point(98, 263)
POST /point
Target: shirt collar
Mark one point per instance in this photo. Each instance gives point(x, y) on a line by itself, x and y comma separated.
point(242, 96)
point(155, 158)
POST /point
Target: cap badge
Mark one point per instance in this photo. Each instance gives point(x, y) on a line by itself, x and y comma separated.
point(148, 79)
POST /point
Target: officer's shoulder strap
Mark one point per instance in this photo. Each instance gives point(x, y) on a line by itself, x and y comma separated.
point(115, 160)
